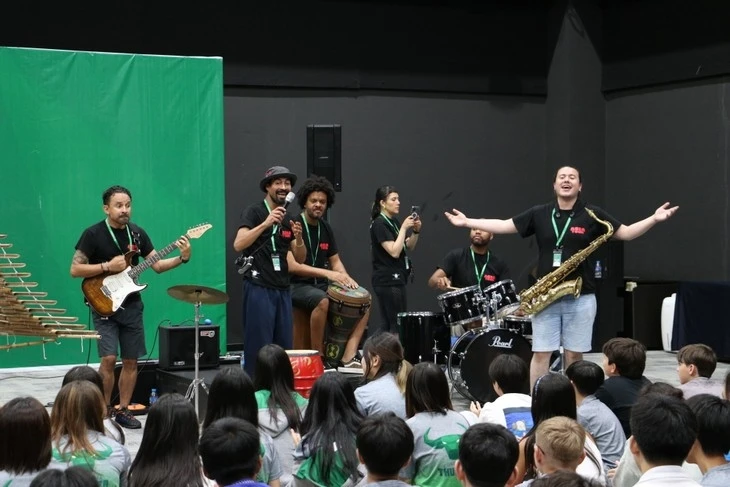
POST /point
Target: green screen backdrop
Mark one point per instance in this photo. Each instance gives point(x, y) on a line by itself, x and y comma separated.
point(74, 123)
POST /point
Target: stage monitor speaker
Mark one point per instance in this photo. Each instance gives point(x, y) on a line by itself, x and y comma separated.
point(177, 347)
point(324, 153)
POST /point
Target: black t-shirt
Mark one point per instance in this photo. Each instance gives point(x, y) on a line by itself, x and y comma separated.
point(620, 394)
point(321, 245)
point(460, 268)
point(581, 231)
point(98, 245)
point(387, 271)
point(262, 272)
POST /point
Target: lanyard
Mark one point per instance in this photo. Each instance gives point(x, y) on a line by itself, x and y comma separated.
point(273, 229)
point(479, 274)
point(395, 229)
point(129, 236)
point(313, 250)
point(562, 234)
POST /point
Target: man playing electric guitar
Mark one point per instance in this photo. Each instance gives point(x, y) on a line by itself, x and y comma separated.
point(100, 250)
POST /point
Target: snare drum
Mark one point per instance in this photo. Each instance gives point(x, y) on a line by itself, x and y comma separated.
point(307, 368)
point(476, 350)
point(346, 309)
point(504, 296)
point(423, 335)
point(522, 325)
point(462, 306)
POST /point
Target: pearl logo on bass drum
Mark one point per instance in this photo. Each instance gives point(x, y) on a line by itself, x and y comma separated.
point(498, 343)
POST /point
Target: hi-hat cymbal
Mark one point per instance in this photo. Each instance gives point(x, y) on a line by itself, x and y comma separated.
point(198, 294)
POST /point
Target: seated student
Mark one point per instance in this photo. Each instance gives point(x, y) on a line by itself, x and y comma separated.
point(25, 440)
point(663, 429)
point(593, 415)
point(384, 445)
point(713, 439)
point(624, 360)
point(487, 456)
point(564, 478)
point(559, 445)
point(70, 477)
point(230, 450)
point(695, 365)
point(385, 372)
point(627, 473)
point(436, 427)
point(511, 381)
point(112, 429)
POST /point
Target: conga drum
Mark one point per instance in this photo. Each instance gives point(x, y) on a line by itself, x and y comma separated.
point(307, 367)
point(346, 309)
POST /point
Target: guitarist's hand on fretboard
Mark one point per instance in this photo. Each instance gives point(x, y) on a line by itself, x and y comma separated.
point(184, 245)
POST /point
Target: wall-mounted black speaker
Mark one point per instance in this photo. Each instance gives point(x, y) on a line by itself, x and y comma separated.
point(324, 153)
point(177, 347)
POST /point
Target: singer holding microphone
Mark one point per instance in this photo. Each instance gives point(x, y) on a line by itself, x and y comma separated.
point(267, 233)
point(390, 246)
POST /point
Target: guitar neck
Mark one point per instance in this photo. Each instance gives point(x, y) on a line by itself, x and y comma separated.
point(150, 261)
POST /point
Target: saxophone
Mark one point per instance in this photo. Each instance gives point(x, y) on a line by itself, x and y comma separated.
point(553, 286)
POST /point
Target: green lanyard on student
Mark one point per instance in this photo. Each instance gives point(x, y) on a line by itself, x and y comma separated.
point(479, 274)
point(313, 250)
point(562, 234)
point(129, 236)
point(273, 229)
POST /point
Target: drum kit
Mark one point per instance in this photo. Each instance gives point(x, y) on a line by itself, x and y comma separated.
point(492, 329)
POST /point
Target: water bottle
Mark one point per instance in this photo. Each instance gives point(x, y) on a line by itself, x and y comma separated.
point(599, 270)
point(153, 397)
point(243, 360)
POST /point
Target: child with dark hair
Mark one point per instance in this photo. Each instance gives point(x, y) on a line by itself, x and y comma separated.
point(713, 439)
point(663, 431)
point(695, 366)
point(25, 441)
point(384, 445)
point(229, 448)
point(487, 456)
point(624, 360)
point(232, 395)
point(436, 427)
point(112, 429)
point(280, 408)
point(564, 478)
point(70, 477)
point(326, 455)
point(593, 415)
point(510, 379)
point(385, 372)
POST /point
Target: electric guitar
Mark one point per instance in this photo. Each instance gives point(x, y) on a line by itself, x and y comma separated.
point(106, 292)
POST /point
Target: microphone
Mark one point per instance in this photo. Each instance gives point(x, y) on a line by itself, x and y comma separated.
point(289, 198)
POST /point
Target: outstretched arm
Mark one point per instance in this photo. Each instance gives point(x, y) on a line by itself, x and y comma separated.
point(639, 228)
point(459, 219)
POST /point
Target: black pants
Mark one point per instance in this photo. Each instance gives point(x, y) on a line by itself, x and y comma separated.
point(391, 301)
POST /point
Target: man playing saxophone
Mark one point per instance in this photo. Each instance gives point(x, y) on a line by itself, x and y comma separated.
point(566, 234)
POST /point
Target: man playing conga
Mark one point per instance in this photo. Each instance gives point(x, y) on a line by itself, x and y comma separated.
point(310, 280)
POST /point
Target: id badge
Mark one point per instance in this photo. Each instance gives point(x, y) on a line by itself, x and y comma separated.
point(276, 261)
point(557, 257)
point(408, 263)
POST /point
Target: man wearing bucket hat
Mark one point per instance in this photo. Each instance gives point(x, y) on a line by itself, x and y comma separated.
point(267, 233)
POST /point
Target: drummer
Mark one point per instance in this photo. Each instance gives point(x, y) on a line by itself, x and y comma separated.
point(470, 266)
point(309, 280)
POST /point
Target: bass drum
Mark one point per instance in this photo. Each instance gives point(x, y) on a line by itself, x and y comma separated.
point(474, 352)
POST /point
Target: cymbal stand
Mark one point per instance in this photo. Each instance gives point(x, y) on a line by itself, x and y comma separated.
point(193, 390)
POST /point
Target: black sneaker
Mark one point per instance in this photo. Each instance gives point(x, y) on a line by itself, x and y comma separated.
point(127, 420)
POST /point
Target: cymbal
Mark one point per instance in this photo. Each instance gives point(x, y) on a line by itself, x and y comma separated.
point(198, 294)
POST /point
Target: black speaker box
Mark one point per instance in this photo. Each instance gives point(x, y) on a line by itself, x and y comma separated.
point(324, 153)
point(609, 322)
point(177, 347)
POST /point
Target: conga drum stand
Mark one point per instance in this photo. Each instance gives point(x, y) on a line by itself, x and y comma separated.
point(197, 295)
